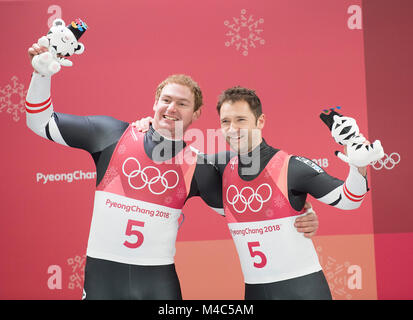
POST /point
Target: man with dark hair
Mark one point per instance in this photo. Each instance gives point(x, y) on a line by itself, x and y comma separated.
point(239, 93)
point(278, 263)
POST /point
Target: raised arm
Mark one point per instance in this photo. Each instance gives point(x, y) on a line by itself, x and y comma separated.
point(306, 177)
point(91, 133)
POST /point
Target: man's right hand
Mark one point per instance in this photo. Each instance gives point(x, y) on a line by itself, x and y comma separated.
point(34, 50)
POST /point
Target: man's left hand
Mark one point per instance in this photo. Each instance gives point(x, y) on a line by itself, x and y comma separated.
point(307, 224)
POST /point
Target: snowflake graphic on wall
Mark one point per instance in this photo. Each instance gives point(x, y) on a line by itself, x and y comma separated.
point(335, 273)
point(244, 32)
point(77, 277)
point(12, 98)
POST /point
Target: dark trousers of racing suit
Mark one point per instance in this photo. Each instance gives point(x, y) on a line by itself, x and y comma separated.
point(313, 286)
point(109, 280)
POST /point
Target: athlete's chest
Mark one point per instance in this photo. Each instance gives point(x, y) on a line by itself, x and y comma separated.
point(263, 198)
point(133, 174)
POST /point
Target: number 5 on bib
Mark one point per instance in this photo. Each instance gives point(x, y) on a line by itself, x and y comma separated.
point(134, 232)
point(253, 253)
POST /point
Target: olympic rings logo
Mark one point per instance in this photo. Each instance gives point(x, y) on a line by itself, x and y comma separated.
point(144, 177)
point(239, 196)
point(389, 162)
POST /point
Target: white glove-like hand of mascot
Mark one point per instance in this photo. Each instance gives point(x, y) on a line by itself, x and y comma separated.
point(45, 63)
point(346, 132)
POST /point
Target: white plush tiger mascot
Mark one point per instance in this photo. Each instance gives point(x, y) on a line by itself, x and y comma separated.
point(62, 41)
point(345, 131)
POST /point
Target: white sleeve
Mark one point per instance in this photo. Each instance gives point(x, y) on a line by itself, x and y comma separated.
point(39, 109)
point(350, 194)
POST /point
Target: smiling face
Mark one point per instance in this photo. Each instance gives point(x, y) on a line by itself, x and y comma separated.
point(240, 126)
point(174, 110)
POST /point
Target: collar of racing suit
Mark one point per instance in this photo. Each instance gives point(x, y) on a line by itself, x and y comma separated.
point(168, 150)
point(261, 154)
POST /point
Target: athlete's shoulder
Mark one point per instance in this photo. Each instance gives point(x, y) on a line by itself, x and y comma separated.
point(108, 128)
point(97, 123)
point(217, 160)
point(304, 165)
point(223, 158)
point(108, 122)
point(220, 158)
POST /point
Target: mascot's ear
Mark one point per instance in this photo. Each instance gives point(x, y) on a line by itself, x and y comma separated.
point(80, 48)
point(58, 22)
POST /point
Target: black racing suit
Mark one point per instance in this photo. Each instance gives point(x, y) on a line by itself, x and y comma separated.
point(304, 177)
point(105, 279)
